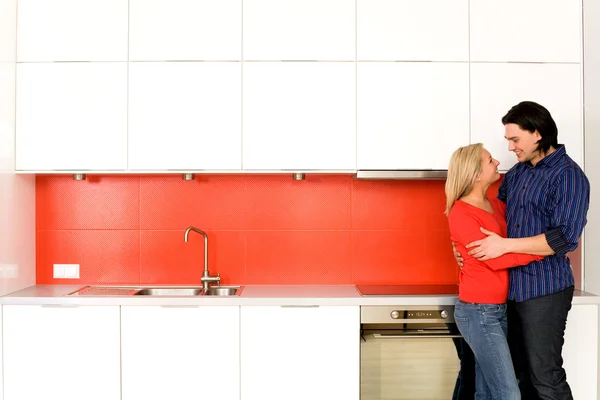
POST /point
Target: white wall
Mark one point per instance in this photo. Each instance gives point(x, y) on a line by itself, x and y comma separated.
point(591, 98)
point(591, 73)
point(17, 192)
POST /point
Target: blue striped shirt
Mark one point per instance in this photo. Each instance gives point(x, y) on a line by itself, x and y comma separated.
point(551, 197)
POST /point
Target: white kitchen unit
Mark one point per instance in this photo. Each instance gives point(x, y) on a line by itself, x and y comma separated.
point(580, 351)
point(185, 116)
point(163, 30)
point(408, 30)
point(71, 116)
point(317, 30)
point(61, 352)
point(300, 352)
point(411, 115)
point(72, 30)
point(299, 116)
point(496, 87)
point(526, 30)
point(173, 352)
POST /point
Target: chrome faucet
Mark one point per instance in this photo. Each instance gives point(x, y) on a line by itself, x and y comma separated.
point(206, 279)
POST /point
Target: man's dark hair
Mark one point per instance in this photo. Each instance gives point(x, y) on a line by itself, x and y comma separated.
point(531, 116)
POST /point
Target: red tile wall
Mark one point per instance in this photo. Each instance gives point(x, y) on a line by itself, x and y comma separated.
point(262, 229)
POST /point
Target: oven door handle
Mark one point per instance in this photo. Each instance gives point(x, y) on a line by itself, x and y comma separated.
point(380, 336)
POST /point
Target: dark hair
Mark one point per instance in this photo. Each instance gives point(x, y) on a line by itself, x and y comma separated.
point(531, 116)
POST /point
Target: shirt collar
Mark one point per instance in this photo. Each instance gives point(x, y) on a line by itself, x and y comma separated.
point(551, 159)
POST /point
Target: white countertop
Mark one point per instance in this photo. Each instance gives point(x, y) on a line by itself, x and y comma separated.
point(251, 295)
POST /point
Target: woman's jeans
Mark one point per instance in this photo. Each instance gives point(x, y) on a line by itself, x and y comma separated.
point(484, 327)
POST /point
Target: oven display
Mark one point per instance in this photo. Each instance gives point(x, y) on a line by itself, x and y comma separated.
point(422, 314)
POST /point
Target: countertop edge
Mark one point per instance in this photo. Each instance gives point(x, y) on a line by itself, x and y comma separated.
point(252, 295)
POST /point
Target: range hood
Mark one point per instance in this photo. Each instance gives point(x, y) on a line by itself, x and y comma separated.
point(439, 174)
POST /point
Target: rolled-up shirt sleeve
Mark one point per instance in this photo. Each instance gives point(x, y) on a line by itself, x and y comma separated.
point(571, 199)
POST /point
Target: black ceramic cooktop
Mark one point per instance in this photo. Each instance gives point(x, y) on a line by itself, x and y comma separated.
point(403, 290)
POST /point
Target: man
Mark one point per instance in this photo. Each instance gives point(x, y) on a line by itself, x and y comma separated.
point(547, 198)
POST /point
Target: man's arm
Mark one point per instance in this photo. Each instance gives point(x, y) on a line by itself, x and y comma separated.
point(571, 201)
point(495, 246)
point(465, 228)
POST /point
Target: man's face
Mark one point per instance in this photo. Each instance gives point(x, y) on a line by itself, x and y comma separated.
point(523, 143)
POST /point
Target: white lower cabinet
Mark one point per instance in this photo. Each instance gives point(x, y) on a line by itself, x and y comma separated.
point(300, 352)
point(180, 352)
point(580, 351)
point(66, 353)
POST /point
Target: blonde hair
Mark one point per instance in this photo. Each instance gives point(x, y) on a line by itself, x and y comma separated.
point(465, 165)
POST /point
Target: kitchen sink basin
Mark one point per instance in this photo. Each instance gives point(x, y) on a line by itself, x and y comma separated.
point(216, 291)
point(222, 291)
point(191, 291)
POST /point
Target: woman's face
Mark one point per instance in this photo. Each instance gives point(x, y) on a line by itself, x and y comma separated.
point(489, 168)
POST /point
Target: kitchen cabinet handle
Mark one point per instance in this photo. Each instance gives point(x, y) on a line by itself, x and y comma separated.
point(179, 306)
point(300, 306)
point(60, 305)
point(380, 336)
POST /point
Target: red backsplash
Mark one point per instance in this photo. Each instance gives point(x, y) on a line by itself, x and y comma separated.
point(262, 229)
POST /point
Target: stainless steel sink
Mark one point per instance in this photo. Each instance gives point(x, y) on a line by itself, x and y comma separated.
point(191, 291)
point(222, 291)
point(217, 291)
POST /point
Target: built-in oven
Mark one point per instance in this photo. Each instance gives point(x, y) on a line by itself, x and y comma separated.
point(408, 352)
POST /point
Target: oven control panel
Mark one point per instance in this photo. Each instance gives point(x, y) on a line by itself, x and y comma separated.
point(419, 314)
point(406, 314)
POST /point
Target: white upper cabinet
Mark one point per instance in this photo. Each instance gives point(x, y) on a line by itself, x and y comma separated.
point(65, 353)
point(299, 116)
point(72, 30)
point(180, 352)
point(411, 115)
point(299, 353)
point(71, 116)
point(409, 30)
point(526, 30)
point(185, 115)
point(163, 30)
point(495, 88)
point(321, 30)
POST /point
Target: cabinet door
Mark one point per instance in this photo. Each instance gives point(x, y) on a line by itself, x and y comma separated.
point(162, 30)
point(526, 30)
point(71, 116)
point(176, 352)
point(299, 30)
point(299, 116)
point(580, 351)
point(185, 116)
point(495, 88)
point(411, 115)
point(298, 353)
point(61, 353)
point(408, 30)
point(72, 30)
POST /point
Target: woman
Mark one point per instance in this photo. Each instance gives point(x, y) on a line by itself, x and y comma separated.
point(480, 311)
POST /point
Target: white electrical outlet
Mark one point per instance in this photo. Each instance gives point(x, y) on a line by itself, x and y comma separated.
point(66, 271)
point(9, 271)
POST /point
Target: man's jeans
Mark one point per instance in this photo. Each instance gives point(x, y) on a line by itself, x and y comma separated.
point(484, 327)
point(536, 336)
